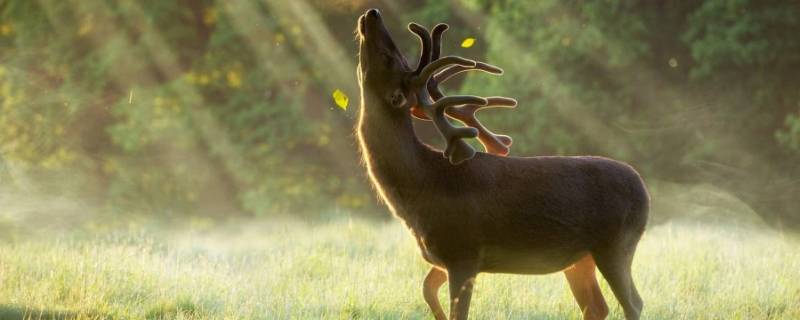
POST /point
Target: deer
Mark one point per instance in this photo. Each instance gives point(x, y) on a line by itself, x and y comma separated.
point(486, 212)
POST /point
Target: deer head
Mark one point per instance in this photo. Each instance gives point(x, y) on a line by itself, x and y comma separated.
point(386, 79)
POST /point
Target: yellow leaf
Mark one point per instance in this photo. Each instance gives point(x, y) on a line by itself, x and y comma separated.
point(6, 29)
point(86, 26)
point(341, 99)
point(209, 16)
point(234, 80)
point(468, 42)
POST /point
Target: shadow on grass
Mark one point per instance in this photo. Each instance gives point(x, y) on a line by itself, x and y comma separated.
point(422, 312)
point(13, 312)
point(182, 308)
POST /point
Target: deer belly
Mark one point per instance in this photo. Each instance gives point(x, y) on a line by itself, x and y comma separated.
point(517, 261)
point(429, 256)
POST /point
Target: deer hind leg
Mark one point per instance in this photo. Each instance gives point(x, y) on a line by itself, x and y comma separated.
point(615, 265)
point(583, 283)
point(430, 290)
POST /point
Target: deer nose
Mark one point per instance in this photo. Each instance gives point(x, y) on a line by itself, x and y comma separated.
point(373, 13)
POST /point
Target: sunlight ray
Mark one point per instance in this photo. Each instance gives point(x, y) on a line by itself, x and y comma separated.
point(208, 128)
point(571, 110)
point(211, 131)
point(248, 15)
point(324, 53)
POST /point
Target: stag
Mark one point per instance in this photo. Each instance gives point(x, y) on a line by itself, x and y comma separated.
point(473, 212)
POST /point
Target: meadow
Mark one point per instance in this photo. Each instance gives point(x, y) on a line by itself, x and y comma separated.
point(362, 269)
point(196, 159)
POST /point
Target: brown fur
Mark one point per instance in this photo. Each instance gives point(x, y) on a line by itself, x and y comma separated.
point(533, 215)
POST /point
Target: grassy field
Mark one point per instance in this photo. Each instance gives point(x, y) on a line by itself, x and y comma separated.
point(357, 269)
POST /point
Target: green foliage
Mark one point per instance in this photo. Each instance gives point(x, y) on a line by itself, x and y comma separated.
point(751, 47)
point(728, 35)
point(558, 53)
point(173, 104)
point(635, 79)
point(212, 106)
point(34, 131)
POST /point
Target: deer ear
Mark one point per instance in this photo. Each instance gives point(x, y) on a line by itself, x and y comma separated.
point(397, 99)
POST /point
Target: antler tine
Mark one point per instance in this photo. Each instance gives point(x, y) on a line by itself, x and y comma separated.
point(492, 142)
point(435, 106)
point(445, 103)
point(457, 150)
point(433, 85)
point(434, 66)
point(454, 70)
point(436, 36)
point(425, 42)
point(433, 82)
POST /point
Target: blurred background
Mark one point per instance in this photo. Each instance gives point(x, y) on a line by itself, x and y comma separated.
point(222, 109)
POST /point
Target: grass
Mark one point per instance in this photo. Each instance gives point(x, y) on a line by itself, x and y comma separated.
point(365, 270)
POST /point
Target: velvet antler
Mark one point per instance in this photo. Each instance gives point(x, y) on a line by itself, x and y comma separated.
point(456, 151)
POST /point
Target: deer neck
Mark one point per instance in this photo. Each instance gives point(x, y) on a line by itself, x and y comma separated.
point(394, 157)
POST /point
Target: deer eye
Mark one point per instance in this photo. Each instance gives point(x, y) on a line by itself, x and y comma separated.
point(397, 98)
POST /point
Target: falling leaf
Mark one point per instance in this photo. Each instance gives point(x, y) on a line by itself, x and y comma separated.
point(130, 97)
point(341, 99)
point(468, 42)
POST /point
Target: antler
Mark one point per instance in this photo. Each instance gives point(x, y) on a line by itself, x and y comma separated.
point(460, 109)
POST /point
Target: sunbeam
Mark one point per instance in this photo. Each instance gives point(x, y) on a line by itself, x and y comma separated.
point(268, 159)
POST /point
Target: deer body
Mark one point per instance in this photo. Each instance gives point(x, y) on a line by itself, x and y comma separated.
point(532, 215)
point(515, 215)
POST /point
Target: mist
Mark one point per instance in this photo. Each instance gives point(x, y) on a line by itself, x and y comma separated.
point(183, 160)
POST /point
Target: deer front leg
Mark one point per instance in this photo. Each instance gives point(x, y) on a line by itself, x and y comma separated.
point(583, 283)
point(462, 280)
point(430, 290)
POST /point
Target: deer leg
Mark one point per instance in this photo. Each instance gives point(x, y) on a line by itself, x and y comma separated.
point(583, 283)
point(616, 269)
point(461, 279)
point(430, 290)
